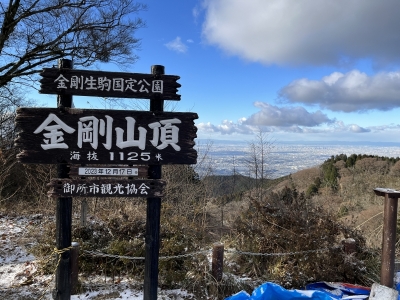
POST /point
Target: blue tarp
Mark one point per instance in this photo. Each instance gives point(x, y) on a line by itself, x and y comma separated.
point(316, 291)
point(339, 290)
point(397, 283)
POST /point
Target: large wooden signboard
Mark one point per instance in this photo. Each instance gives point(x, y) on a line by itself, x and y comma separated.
point(108, 84)
point(87, 136)
point(106, 188)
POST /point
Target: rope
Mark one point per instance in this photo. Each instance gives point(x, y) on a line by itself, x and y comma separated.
point(59, 252)
point(100, 254)
point(55, 251)
point(278, 254)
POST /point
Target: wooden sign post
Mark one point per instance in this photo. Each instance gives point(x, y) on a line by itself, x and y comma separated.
point(153, 214)
point(63, 216)
point(389, 234)
point(129, 143)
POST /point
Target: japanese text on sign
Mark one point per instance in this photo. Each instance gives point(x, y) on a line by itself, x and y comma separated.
point(164, 133)
point(105, 189)
point(108, 84)
point(79, 136)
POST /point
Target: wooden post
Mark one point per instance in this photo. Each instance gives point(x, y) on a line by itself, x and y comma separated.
point(389, 234)
point(153, 215)
point(63, 215)
point(74, 267)
point(218, 261)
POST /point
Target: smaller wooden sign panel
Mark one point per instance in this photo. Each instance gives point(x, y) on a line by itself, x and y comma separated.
point(109, 84)
point(106, 188)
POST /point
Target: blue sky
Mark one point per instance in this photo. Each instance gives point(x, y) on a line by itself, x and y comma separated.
point(301, 70)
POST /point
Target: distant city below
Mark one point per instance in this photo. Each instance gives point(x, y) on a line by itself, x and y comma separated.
point(284, 158)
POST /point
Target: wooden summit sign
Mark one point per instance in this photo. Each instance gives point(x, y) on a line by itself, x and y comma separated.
point(108, 84)
point(88, 136)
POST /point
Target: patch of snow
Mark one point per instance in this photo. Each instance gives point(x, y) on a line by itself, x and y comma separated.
point(18, 278)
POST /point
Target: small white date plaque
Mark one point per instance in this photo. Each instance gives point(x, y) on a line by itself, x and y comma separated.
point(108, 171)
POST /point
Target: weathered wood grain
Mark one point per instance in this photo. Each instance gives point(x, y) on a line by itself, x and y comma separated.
point(31, 144)
point(135, 85)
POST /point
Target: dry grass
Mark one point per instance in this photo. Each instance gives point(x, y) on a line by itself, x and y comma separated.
point(279, 218)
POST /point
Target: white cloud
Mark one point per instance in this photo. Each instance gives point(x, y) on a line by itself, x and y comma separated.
point(276, 119)
point(227, 127)
point(196, 11)
point(304, 32)
point(357, 129)
point(349, 92)
point(336, 130)
point(177, 45)
point(340, 126)
point(270, 115)
point(232, 128)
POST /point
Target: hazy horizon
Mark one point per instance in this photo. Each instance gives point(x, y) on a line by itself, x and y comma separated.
point(284, 158)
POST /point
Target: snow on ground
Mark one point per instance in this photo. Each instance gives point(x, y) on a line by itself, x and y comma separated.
point(20, 281)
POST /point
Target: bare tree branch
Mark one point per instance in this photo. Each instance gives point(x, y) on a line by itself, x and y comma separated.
point(35, 33)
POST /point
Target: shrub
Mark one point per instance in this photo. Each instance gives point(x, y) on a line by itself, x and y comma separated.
point(285, 223)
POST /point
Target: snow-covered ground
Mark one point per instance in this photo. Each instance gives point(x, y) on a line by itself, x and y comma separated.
point(19, 279)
